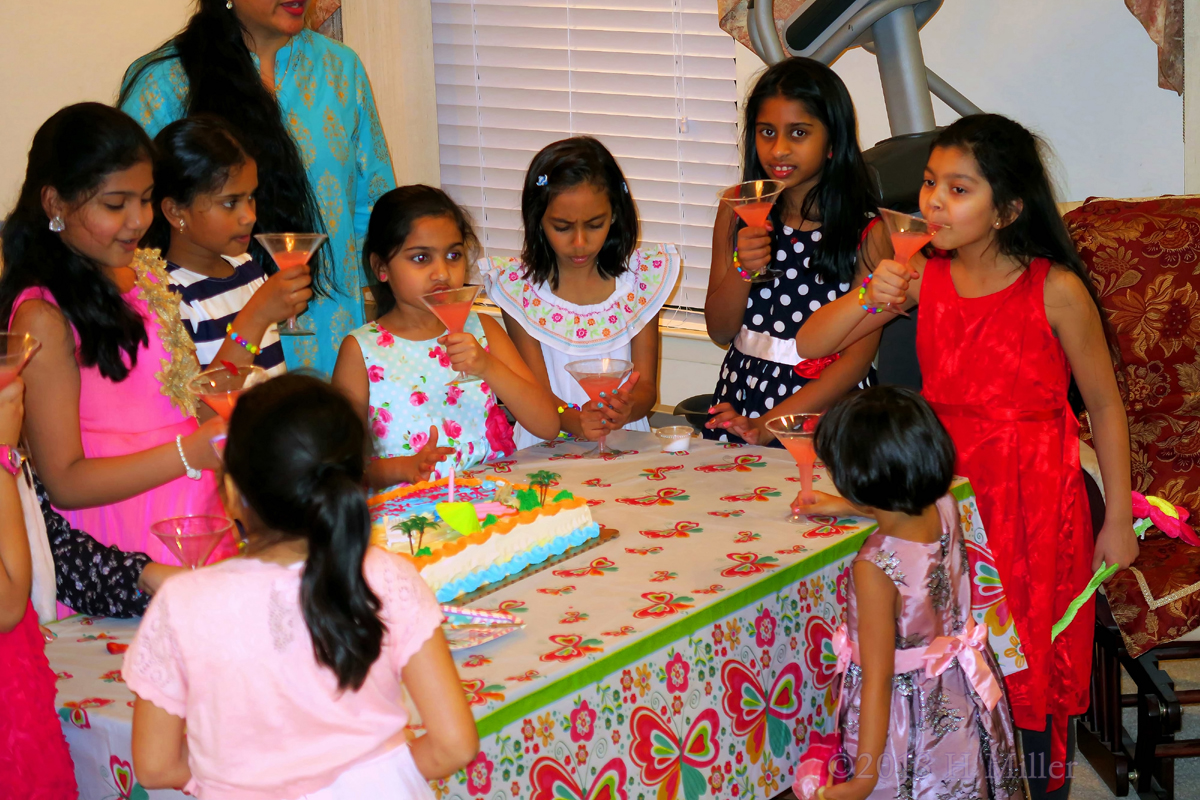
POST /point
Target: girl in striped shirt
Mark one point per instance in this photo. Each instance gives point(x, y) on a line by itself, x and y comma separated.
point(204, 213)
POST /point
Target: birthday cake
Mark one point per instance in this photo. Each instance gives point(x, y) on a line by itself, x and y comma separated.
point(492, 530)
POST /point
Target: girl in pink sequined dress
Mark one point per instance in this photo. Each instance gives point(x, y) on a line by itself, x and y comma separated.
point(922, 712)
point(110, 423)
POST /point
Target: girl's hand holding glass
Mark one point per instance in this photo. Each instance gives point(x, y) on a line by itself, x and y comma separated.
point(198, 445)
point(889, 285)
point(610, 414)
point(754, 248)
point(285, 294)
point(466, 353)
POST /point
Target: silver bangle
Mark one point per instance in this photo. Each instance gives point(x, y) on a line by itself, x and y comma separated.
point(194, 474)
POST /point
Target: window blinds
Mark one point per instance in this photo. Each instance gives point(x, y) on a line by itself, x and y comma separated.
point(652, 79)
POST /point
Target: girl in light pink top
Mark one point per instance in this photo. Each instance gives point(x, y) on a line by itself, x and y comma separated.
point(278, 674)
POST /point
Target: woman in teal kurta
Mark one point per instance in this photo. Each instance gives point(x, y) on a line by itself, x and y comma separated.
point(326, 104)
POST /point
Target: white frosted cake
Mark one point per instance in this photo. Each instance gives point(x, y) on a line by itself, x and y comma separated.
point(491, 531)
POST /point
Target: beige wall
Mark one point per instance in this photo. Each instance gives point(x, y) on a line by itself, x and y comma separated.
point(57, 52)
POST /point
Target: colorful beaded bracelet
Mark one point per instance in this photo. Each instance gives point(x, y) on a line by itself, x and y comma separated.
point(862, 296)
point(744, 274)
point(251, 348)
point(561, 409)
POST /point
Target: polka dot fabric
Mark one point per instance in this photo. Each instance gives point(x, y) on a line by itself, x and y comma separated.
point(754, 385)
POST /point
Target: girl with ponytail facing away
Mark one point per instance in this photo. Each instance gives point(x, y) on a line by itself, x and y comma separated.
point(277, 674)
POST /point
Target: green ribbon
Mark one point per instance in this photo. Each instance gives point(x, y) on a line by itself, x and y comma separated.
point(1104, 573)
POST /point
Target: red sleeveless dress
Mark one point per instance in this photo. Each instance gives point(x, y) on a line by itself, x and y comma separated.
point(997, 378)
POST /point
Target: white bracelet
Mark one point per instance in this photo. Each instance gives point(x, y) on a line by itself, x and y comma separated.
point(194, 474)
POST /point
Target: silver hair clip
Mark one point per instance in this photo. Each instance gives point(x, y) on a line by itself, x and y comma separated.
point(543, 180)
point(624, 188)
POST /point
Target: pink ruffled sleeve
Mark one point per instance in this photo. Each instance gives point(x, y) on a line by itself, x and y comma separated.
point(153, 667)
point(410, 610)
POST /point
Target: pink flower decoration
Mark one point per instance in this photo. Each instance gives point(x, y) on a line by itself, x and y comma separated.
point(512, 276)
point(499, 432)
point(385, 415)
point(375, 373)
point(418, 440)
point(556, 317)
point(440, 355)
point(452, 395)
point(612, 318)
point(418, 398)
point(479, 775)
point(385, 339)
point(581, 333)
point(525, 303)
point(379, 430)
point(583, 723)
point(764, 629)
point(677, 674)
point(1176, 528)
point(452, 428)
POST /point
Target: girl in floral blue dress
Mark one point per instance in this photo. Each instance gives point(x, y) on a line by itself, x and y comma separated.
point(396, 370)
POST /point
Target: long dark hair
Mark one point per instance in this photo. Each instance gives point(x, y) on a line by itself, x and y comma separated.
point(1010, 158)
point(564, 165)
point(297, 452)
point(223, 80)
point(73, 152)
point(885, 448)
point(193, 156)
point(392, 220)
point(842, 199)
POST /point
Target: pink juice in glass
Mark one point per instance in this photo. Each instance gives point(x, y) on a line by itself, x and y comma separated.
point(802, 450)
point(602, 383)
point(291, 258)
point(754, 214)
point(453, 315)
point(907, 244)
point(221, 403)
point(9, 374)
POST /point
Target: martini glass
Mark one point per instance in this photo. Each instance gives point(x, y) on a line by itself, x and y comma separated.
point(752, 201)
point(598, 376)
point(220, 388)
point(18, 348)
point(191, 539)
point(909, 234)
point(291, 250)
point(795, 432)
point(452, 307)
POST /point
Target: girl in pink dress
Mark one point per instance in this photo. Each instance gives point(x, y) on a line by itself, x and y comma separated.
point(110, 422)
point(34, 762)
point(282, 672)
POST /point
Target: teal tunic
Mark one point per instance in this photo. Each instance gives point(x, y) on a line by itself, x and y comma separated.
point(326, 99)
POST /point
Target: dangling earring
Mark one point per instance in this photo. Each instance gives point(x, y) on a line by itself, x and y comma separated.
point(181, 226)
point(57, 225)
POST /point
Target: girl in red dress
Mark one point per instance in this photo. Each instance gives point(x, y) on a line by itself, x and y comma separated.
point(1008, 316)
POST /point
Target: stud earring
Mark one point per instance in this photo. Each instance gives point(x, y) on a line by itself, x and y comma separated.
point(57, 225)
point(181, 226)
point(229, 4)
point(997, 224)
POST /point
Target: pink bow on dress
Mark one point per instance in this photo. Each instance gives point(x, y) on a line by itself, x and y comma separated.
point(968, 648)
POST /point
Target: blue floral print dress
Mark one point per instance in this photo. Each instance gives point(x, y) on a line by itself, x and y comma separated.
point(409, 394)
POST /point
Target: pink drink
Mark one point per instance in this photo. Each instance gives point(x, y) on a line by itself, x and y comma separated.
point(754, 214)
point(9, 374)
point(802, 450)
point(221, 403)
point(293, 258)
point(453, 315)
point(600, 383)
point(907, 244)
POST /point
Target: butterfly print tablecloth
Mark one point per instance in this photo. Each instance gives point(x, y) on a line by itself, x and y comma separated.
point(690, 657)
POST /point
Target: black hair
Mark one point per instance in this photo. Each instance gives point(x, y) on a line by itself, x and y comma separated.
point(564, 165)
point(885, 448)
point(193, 156)
point(297, 452)
point(73, 152)
point(843, 199)
point(1010, 158)
point(223, 80)
point(392, 220)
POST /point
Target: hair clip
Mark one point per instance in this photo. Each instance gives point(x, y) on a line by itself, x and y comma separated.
point(624, 188)
point(543, 180)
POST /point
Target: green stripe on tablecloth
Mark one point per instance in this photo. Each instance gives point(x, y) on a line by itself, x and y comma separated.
point(652, 642)
point(689, 624)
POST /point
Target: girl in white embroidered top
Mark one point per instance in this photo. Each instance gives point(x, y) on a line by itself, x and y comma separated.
point(582, 287)
point(109, 420)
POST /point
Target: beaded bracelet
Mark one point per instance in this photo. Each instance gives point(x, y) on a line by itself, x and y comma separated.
point(862, 296)
point(744, 274)
point(251, 348)
point(562, 409)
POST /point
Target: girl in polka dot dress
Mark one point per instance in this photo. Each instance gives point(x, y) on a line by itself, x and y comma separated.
point(799, 129)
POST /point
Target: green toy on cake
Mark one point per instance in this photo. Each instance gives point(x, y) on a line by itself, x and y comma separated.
point(463, 535)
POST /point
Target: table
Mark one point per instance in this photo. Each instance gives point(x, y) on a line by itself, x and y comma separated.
point(692, 656)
